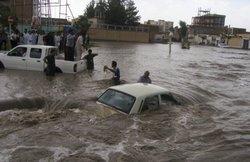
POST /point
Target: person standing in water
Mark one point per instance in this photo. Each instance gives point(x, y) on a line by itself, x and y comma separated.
point(145, 78)
point(70, 43)
point(79, 46)
point(116, 72)
point(90, 59)
point(50, 61)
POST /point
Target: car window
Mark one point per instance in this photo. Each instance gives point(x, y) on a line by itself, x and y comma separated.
point(168, 99)
point(151, 103)
point(18, 52)
point(35, 53)
point(53, 51)
point(118, 100)
point(164, 99)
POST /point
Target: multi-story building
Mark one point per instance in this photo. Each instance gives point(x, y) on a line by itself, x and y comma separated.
point(207, 28)
point(207, 23)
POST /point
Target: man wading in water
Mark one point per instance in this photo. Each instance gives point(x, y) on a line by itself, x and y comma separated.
point(116, 72)
point(50, 61)
point(90, 59)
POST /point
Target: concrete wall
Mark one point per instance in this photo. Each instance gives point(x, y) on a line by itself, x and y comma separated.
point(116, 35)
point(235, 42)
point(239, 42)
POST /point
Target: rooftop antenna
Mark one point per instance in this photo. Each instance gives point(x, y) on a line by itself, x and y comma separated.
point(203, 12)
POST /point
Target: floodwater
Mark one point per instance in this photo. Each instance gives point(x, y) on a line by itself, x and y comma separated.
point(55, 119)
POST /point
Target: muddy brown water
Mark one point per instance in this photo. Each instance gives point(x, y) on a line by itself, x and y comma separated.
point(55, 119)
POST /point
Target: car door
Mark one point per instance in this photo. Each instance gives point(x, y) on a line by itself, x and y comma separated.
point(35, 61)
point(150, 103)
point(167, 99)
point(16, 58)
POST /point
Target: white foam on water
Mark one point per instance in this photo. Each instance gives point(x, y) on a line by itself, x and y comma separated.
point(136, 119)
point(59, 153)
point(4, 156)
point(7, 112)
point(76, 110)
point(183, 120)
point(137, 144)
point(104, 150)
point(134, 126)
point(19, 95)
point(92, 119)
point(150, 141)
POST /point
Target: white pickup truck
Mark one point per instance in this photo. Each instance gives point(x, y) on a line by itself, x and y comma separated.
point(30, 57)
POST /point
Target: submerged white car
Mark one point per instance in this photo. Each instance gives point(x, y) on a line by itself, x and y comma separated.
point(135, 98)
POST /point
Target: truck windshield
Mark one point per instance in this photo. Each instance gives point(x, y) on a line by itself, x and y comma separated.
point(118, 100)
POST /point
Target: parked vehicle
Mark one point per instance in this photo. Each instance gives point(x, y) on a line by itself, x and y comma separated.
point(30, 57)
point(223, 45)
point(135, 98)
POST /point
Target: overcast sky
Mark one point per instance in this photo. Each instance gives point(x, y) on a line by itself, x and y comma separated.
point(237, 11)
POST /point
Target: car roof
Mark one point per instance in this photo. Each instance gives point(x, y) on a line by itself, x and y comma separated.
point(140, 89)
point(36, 46)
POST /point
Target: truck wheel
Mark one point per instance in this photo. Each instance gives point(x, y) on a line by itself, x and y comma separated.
point(1, 65)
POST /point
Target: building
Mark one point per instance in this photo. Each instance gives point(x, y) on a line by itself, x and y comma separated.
point(99, 30)
point(164, 28)
point(241, 41)
point(207, 23)
point(207, 28)
point(234, 31)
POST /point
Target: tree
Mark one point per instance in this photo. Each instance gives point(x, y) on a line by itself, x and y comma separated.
point(116, 13)
point(82, 24)
point(184, 34)
point(101, 9)
point(131, 13)
point(90, 10)
point(183, 29)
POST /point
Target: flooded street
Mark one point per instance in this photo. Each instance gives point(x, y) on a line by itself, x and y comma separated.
point(55, 119)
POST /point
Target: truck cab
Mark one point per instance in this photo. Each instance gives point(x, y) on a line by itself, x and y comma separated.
point(30, 57)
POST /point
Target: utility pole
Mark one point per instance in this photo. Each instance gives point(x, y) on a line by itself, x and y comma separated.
point(170, 41)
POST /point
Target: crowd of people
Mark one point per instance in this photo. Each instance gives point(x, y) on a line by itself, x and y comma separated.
point(73, 44)
point(32, 37)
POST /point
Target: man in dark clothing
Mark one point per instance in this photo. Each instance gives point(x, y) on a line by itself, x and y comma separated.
point(70, 44)
point(50, 61)
point(90, 59)
point(116, 72)
point(145, 78)
point(49, 39)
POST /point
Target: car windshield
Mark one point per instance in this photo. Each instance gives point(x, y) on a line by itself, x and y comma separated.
point(118, 100)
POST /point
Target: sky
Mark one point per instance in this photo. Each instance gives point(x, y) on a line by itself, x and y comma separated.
point(236, 11)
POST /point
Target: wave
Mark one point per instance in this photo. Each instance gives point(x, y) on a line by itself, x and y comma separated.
point(22, 103)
